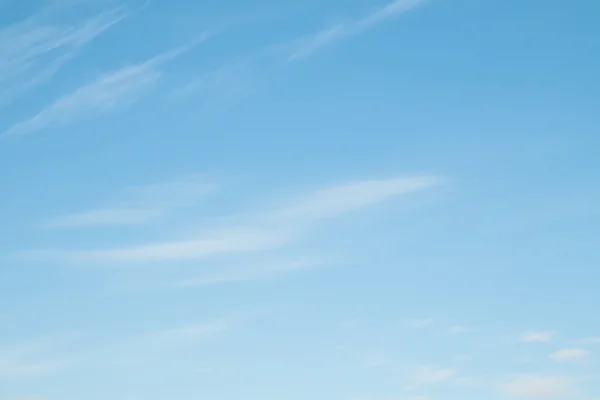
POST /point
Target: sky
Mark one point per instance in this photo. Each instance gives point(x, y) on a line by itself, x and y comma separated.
point(324, 200)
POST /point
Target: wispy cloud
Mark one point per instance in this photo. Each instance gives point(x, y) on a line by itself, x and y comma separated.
point(312, 43)
point(185, 335)
point(142, 204)
point(35, 49)
point(34, 358)
point(157, 344)
point(243, 272)
point(264, 231)
point(29, 398)
point(17, 368)
point(570, 355)
point(589, 340)
point(225, 84)
point(537, 337)
point(537, 387)
point(104, 217)
point(109, 91)
point(232, 81)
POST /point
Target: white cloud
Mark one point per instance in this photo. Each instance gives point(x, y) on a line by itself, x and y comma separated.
point(109, 91)
point(188, 333)
point(162, 342)
point(266, 231)
point(430, 375)
point(570, 355)
point(13, 369)
point(233, 81)
point(33, 50)
point(34, 358)
point(231, 240)
point(142, 204)
point(338, 200)
point(589, 340)
point(227, 83)
point(29, 398)
point(537, 387)
point(104, 217)
point(308, 45)
point(537, 337)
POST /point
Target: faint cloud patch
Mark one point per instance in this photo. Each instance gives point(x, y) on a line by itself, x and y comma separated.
point(429, 375)
point(33, 50)
point(35, 358)
point(537, 387)
point(141, 204)
point(570, 355)
point(112, 90)
point(537, 337)
point(307, 45)
point(267, 230)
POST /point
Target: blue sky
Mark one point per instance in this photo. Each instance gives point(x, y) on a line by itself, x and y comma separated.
point(337, 200)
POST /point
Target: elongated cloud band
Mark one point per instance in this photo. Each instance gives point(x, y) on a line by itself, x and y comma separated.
point(268, 230)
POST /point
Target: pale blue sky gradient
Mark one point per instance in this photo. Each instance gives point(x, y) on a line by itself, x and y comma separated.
point(324, 200)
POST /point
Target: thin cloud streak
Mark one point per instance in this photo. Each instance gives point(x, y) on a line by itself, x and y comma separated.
point(52, 355)
point(537, 337)
point(430, 375)
point(104, 217)
point(40, 357)
point(269, 230)
point(306, 46)
point(32, 51)
point(240, 272)
point(165, 341)
point(589, 340)
point(570, 355)
point(109, 91)
point(537, 387)
point(234, 80)
point(142, 204)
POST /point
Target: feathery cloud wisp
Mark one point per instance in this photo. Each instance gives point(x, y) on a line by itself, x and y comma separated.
point(29, 398)
point(142, 204)
point(244, 273)
point(167, 340)
point(570, 355)
point(233, 81)
point(107, 92)
point(269, 230)
point(309, 44)
point(537, 337)
point(589, 340)
point(33, 50)
point(537, 387)
point(33, 358)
